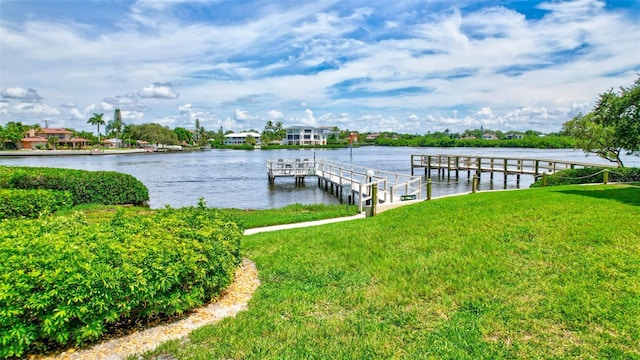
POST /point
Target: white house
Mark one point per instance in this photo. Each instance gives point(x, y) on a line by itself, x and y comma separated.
point(305, 135)
point(241, 138)
point(113, 143)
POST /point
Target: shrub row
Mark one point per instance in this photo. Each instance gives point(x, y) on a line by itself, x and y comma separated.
point(86, 187)
point(64, 282)
point(16, 203)
point(590, 175)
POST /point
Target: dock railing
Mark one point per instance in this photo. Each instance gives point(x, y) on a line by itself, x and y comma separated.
point(290, 167)
point(392, 187)
point(535, 167)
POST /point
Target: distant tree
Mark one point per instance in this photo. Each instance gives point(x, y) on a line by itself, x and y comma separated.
point(250, 140)
point(220, 134)
point(96, 119)
point(12, 133)
point(268, 133)
point(84, 134)
point(612, 127)
point(279, 131)
point(199, 135)
point(153, 134)
point(184, 135)
point(52, 141)
point(116, 125)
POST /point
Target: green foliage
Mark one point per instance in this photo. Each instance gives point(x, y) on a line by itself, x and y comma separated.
point(96, 120)
point(184, 135)
point(589, 175)
point(63, 281)
point(116, 125)
point(11, 134)
point(273, 131)
point(612, 127)
point(86, 187)
point(152, 133)
point(15, 203)
point(443, 140)
point(290, 214)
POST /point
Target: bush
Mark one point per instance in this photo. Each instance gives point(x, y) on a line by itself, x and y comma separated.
point(590, 175)
point(86, 187)
point(16, 203)
point(63, 281)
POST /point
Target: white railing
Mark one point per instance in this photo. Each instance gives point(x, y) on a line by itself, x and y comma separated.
point(392, 187)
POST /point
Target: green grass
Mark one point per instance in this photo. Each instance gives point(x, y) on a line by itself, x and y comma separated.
point(290, 214)
point(247, 218)
point(540, 273)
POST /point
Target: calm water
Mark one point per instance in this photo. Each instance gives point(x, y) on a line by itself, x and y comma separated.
point(238, 179)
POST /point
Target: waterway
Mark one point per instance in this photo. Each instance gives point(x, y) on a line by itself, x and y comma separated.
point(238, 178)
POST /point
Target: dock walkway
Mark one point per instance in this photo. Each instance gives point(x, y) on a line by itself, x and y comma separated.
point(488, 164)
point(349, 181)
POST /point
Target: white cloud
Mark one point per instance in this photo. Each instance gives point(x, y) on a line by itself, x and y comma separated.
point(29, 95)
point(159, 91)
point(273, 114)
point(403, 66)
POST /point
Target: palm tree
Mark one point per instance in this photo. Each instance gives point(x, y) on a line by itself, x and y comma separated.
point(116, 124)
point(96, 119)
point(52, 141)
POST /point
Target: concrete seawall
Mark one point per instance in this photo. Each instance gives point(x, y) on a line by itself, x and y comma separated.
point(70, 152)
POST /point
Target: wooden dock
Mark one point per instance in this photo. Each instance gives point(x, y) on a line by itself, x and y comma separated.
point(299, 169)
point(349, 182)
point(478, 164)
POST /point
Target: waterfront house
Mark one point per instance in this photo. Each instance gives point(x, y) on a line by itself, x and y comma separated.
point(513, 135)
point(241, 138)
point(305, 135)
point(372, 136)
point(38, 138)
point(489, 136)
point(112, 143)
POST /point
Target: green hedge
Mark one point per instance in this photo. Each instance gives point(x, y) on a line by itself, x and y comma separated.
point(86, 187)
point(17, 203)
point(63, 281)
point(590, 175)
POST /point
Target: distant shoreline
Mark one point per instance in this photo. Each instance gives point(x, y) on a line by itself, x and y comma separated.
point(71, 152)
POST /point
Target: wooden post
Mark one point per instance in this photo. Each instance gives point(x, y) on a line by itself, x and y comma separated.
point(429, 189)
point(506, 171)
point(537, 171)
point(479, 163)
point(427, 170)
point(544, 179)
point(412, 165)
point(457, 165)
point(474, 184)
point(605, 178)
point(374, 198)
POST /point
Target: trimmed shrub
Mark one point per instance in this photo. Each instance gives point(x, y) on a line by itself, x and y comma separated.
point(17, 203)
point(63, 281)
point(86, 187)
point(590, 175)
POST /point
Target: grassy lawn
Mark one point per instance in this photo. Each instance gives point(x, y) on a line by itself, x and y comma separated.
point(540, 273)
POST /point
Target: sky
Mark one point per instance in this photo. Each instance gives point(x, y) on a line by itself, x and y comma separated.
point(409, 66)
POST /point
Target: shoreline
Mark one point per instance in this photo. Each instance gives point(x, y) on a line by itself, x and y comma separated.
point(76, 152)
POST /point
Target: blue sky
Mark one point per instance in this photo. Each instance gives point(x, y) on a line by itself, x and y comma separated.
point(404, 66)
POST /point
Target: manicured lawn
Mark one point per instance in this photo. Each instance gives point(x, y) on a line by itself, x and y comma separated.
point(539, 273)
